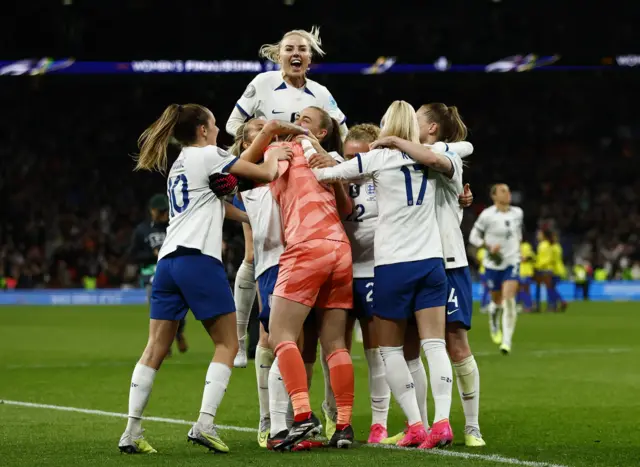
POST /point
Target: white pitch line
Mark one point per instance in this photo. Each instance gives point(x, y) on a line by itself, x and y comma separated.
point(131, 363)
point(436, 452)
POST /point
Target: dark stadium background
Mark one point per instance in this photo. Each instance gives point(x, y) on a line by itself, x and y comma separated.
point(565, 141)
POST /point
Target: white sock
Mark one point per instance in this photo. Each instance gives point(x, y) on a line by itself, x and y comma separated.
point(139, 392)
point(329, 398)
point(263, 361)
point(215, 385)
point(378, 388)
point(509, 317)
point(244, 293)
point(419, 375)
point(278, 400)
point(400, 381)
point(441, 376)
point(468, 379)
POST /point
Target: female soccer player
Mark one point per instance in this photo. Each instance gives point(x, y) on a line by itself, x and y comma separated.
point(544, 267)
point(527, 259)
point(442, 125)
point(190, 274)
point(499, 230)
point(282, 94)
point(559, 273)
point(409, 272)
point(314, 271)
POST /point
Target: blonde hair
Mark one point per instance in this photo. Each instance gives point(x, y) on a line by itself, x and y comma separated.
point(240, 137)
point(177, 121)
point(451, 128)
point(366, 132)
point(401, 120)
point(272, 51)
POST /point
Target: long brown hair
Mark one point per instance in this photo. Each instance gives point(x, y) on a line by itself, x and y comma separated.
point(333, 141)
point(177, 121)
point(451, 128)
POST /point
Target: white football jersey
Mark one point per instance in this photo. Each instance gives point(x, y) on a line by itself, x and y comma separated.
point(449, 214)
point(268, 96)
point(504, 229)
point(266, 226)
point(407, 229)
point(195, 213)
point(360, 226)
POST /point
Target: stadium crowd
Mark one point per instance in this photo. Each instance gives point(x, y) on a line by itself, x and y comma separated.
point(71, 199)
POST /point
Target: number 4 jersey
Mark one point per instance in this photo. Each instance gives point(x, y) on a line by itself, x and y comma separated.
point(195, 213)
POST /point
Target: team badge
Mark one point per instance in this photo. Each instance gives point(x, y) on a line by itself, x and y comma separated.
point(250, 91)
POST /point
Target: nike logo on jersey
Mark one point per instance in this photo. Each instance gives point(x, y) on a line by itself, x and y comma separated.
point(452, 311)
point(275, 113)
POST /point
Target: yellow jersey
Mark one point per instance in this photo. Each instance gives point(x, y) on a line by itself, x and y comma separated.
point(558, 264)
point(480, 255)
point(527, 260)
point(544, 257)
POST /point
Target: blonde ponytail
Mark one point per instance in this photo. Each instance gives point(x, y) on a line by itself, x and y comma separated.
point(153, 141)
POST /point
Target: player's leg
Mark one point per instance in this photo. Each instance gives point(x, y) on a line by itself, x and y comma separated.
point(494, 283)
point(203, 283)
point(394, 295)
point(510, 314)
point(379, 391)
point(525, 291)
point(180, 338)
point(431, 319)
point(263, 361)
point(334, 299)
point(309, 345)
point(486, 295)
point(412, 350)
point(167, 308)
point(295, 293)
point(244, 292)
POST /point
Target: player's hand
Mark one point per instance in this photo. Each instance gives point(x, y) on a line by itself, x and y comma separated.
point(322, 161)
point(466, 198)
point(494, 250)
point(385, 142)
point(223, 184)
point(282, 153)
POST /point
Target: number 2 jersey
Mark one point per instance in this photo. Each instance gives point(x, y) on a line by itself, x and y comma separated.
point(360, 226)
point(407, 229)
point(196, 215)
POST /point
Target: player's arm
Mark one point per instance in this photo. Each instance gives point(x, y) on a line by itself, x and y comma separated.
point(418, 153)
point(263, 173)
point(272, 128)
point(245, 107)
point(362, 165)
point(462, 148)
point(233, 213)
point(476, 237)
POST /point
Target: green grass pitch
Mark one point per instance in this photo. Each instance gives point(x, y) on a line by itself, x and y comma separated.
point(567, 396)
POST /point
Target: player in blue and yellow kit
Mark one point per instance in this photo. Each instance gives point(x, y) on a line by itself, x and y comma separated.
point(559, 273)
point(527, 261)
point(544, 266)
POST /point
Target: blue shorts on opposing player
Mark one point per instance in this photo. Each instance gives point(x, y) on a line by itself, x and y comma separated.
point(496, 277)
point(187, 280)
point(401, 289)
point(459, 297)
point(266, 284)
point(363, 303)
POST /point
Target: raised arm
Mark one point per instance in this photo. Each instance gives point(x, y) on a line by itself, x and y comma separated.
point(349, 170)
point(419, 153)
point(461, 148)
point(273, 128)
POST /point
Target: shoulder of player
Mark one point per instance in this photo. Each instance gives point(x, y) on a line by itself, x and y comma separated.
point(317, 89)
point(267, 81)
point(517, 211)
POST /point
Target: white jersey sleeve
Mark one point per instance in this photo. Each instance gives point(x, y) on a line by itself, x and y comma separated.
point(246, 105)
point(196, 215)
point(462, 148)
point(329, 104)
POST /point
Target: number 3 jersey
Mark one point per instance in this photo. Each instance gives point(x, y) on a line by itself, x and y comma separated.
point(407, 229)
point(195, 213)
point(360, 226)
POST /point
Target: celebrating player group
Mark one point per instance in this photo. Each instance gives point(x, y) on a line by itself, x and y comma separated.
point(340, 225)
